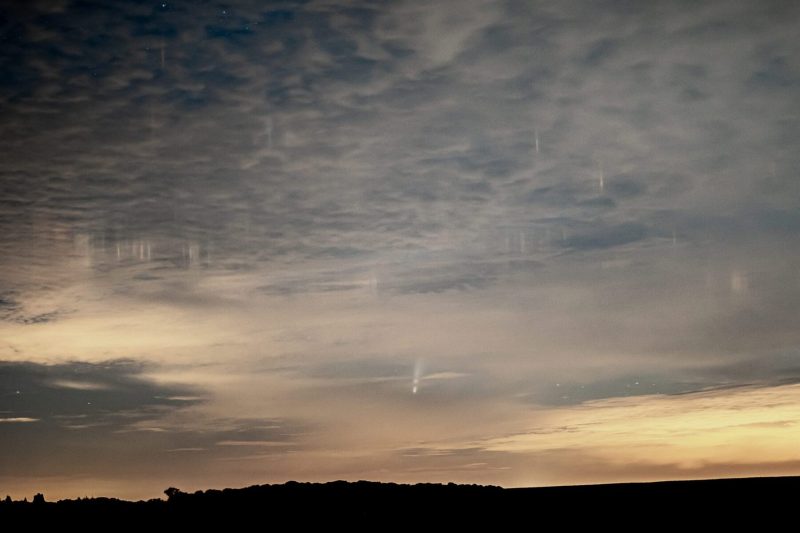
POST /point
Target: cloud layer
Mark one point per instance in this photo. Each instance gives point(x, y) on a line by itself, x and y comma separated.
point(235, 216)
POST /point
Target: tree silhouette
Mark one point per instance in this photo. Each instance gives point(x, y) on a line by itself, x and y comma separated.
point(172, 493)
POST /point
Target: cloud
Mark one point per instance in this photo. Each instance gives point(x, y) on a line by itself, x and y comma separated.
point(92, 389)
point(79, 385)
point(676, 436)
point(229, 214)
point(111, 419)
point(616, 235)
point(318, 123)
point(265, 443)
point(18, 420)
point(12, 311)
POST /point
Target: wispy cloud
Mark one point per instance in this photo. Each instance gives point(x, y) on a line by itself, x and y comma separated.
point(18, 420)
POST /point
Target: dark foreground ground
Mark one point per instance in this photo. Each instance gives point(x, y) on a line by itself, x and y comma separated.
point(759, 502)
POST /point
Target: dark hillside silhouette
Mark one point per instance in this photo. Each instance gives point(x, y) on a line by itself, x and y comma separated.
point(365, 504)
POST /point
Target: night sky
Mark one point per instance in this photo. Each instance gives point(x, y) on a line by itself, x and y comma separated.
point(514, 242)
